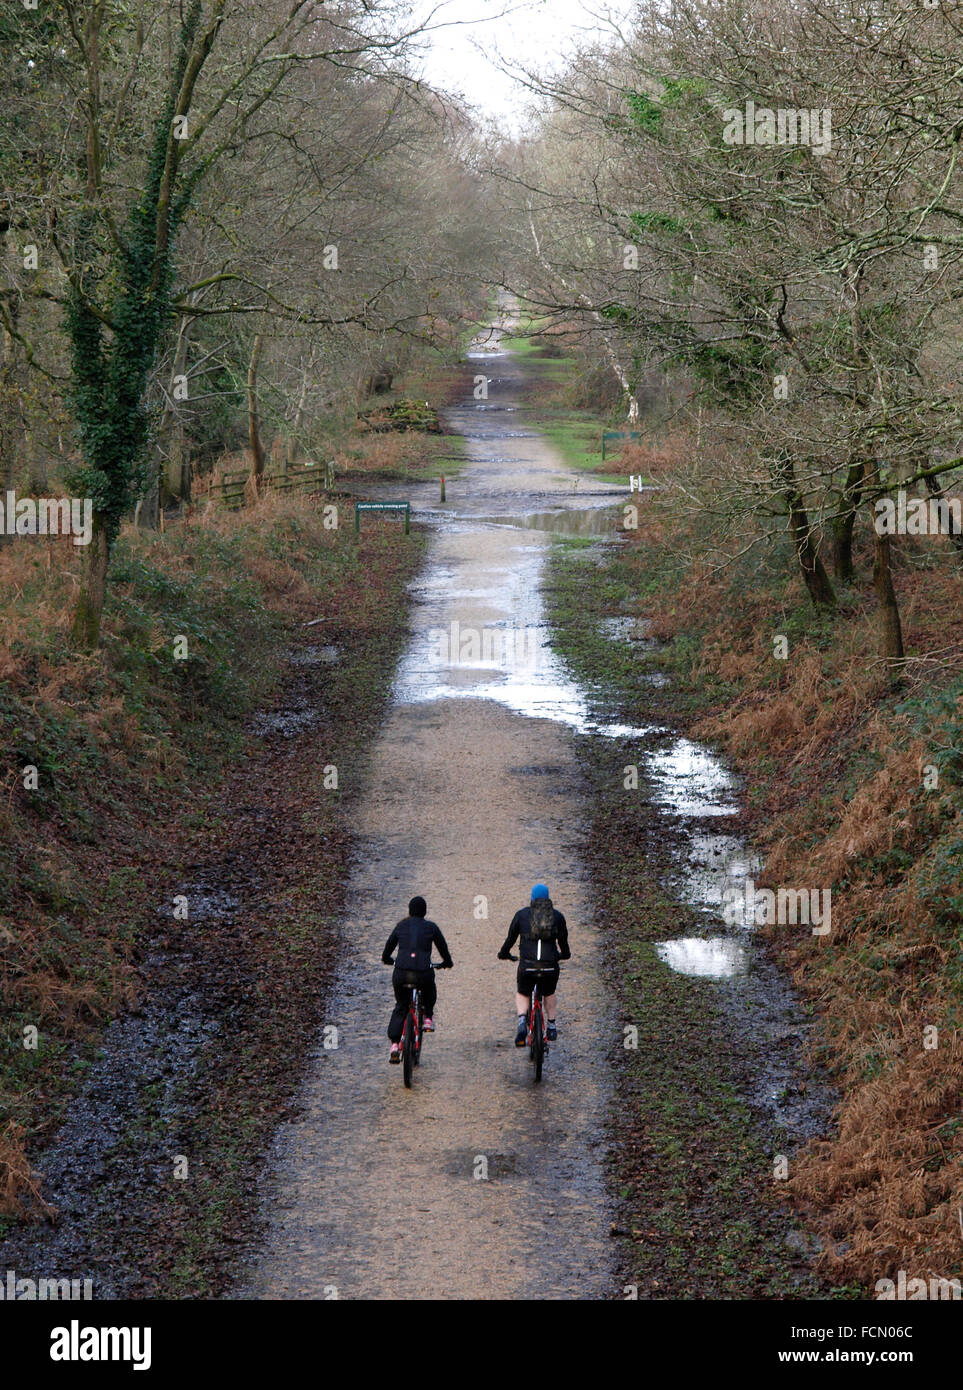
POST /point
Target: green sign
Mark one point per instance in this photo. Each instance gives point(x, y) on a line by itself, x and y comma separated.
point(360, 507)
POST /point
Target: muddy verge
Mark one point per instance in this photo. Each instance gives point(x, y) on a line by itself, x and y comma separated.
point(154, 1169)
point(717, 1087)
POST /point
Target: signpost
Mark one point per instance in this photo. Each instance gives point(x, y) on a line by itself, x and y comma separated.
point(619, 434)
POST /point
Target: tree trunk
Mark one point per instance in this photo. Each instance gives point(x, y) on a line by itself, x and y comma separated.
point(291, 451)
point(9, 402)
point(622, 376)
point(891, 628)
point(39, 482)
point(7, 463)
point(844, 523)
point(150, 510)
point(253, 423)
point(936, 492)
point(177, 472)
point(93, 587)
point(177, 479)
point(813, 571)
point(7, 478)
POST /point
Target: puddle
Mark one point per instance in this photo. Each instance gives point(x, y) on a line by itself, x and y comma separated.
point(314, 656)
point(691, 781)
point(283, 723)
point(208, 904)
point(484, 636)
point(716, 956)
point(713, 869)
point(712, 879)
point(572, 521)
point(497, 1163)
point(715, 875)
point(627, 629)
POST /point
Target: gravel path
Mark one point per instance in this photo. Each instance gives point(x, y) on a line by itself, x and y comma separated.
point(476, 1183)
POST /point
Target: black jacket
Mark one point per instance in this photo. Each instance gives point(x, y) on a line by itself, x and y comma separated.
point(521, 931)
point(414, 938)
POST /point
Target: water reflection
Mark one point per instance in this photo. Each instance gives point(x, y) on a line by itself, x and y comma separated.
point(717, 864)
point(484, 584)
point(573, 521)
point(691, 781)
point(715, 957)
point(627, 629)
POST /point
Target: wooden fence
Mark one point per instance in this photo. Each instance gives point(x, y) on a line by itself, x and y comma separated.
point(232, 486)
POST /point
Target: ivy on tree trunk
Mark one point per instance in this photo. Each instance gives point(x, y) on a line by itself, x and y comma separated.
point(114, 339)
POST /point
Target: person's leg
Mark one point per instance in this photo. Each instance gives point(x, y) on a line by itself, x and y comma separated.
point(397, 1020)
point(429, 994)
point(522, 999)
point(551, 984)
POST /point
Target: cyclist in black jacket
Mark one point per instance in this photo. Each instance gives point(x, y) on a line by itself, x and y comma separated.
point(413, 938)
point(529, 950)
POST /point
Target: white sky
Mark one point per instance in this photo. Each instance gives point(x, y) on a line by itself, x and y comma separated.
point(465, 58)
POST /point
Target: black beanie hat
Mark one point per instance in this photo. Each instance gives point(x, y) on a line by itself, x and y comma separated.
point(417, 907)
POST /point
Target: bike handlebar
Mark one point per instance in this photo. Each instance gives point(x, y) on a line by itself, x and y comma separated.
point(534, 967)
point(433, 965)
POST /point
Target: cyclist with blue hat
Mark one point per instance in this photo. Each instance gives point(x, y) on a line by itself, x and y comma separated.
point(542, 937)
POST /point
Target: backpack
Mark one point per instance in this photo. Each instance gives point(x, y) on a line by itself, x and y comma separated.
point(542, 919)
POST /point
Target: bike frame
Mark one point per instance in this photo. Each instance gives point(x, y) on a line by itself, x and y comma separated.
point(414, 1022)
point(416, 1015)
point(535, 1002)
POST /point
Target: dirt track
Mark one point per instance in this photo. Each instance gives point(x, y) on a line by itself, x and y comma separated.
point(376, 1192)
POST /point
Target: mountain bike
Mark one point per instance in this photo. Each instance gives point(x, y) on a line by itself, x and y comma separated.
point(535, 1037)
point(412, 1033)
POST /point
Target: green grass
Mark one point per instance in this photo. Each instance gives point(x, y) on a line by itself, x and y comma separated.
point(575, 433)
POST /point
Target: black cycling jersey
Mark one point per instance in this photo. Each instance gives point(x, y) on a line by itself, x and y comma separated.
point(521, 931)
point(414, 938)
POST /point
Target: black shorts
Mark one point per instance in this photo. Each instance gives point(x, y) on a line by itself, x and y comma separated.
point(526, 980)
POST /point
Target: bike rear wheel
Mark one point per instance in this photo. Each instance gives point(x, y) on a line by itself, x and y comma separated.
point(407, 1052)
point(421, 1030)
